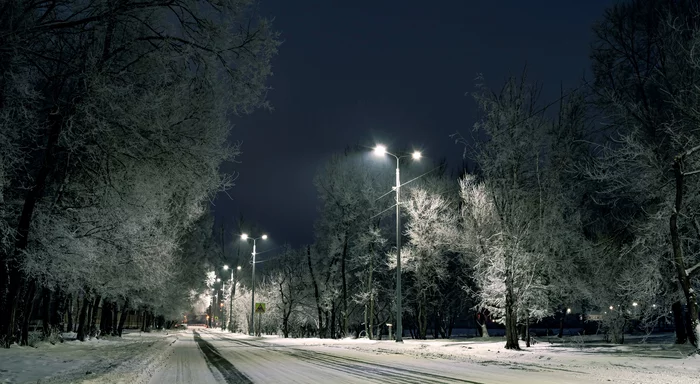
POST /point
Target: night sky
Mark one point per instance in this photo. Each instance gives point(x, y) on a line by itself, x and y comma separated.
point(396, 72)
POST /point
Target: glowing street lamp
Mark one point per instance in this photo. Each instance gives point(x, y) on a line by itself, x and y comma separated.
point(380, 150)
point(252, 284)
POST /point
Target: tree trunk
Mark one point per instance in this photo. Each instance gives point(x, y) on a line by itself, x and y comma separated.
point(106, 318)
point(285, 323)
point(561, 325)
point(148, 323)
point(69, 311)
point(683, 278)
point(436, 323)
point(45, 312)
point(321, 328)
point(82, 319)
point(27, 312)
point(103, 317)
point(231, 325)
point(451, 325)
point(93, 316)
point(422, 317)
point(345, 287)
point(527, 330)
point(679, 322)
point(371, 297)
point(115, 318)
point(58, 310)
point(511, 318)
point(333, 315)
point(366, 322)
point(689, 330)
point(122, 319)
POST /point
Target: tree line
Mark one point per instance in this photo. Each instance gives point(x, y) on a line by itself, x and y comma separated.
point(114, 120)
point(587, 202)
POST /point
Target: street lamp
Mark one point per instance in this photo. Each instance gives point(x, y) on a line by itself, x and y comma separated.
point(252, 283)
point(380, 150)
point(232, 292)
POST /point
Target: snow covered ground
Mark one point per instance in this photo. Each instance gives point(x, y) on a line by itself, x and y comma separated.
point(206, 355)
point(575, 359)
point(129, 359)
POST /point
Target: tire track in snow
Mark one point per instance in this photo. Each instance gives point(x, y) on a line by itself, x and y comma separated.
point(370, 370)
point(214, 358)
point(307, 356)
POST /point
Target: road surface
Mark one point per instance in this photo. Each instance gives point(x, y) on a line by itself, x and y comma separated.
point(205, 356)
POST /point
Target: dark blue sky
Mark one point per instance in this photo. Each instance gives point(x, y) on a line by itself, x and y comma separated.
point(354, 72)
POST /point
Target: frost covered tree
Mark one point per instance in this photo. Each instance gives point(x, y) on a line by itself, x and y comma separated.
point(128, 105)
point(644, 82)
point(370, 248)
point(431, 211)
point(289, 280)
point(518, 231)
point(348, 187)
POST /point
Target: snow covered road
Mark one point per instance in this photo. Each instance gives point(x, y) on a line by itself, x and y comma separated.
point(206, 356)
point(200, 355)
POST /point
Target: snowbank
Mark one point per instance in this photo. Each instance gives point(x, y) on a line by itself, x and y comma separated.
point(129, 359)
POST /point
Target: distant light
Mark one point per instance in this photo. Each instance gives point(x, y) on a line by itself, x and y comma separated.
point(634, 304)
point(653, 305)
point(244, 236)
point(568, 310)
point(218, 280)
point(264, 237)
point(611, 307)
point(379, 150)
point(238, 267)
point(225, 267)
point(416, 155)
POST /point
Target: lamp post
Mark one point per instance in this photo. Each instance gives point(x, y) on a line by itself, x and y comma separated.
point(212, 307)
point(232, 294)
point(217, 300)
point(380, 150)
point(252, 282)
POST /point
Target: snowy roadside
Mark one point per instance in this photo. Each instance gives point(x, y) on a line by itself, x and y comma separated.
point(656, 360)
point(130, 359)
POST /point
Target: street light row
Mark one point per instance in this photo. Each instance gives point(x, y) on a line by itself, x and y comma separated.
point(379, 150)
point(245, 237)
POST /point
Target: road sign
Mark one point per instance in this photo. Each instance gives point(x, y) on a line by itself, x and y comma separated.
point(259, 307)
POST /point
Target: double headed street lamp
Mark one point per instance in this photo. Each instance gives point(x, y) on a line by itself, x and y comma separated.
point(232, 293)
point(252, 283)
point(380, 150)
